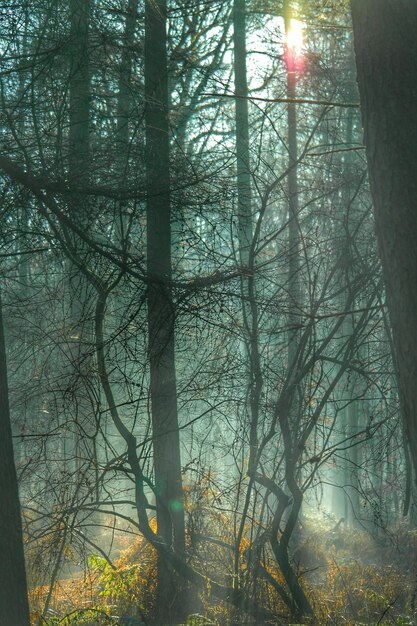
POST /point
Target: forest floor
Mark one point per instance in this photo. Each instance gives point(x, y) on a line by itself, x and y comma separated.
point(351, 578)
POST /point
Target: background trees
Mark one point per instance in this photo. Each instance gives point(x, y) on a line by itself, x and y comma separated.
point(198, 346)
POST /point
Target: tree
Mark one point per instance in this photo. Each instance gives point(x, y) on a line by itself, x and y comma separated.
point(14, 608)
point(386, 60)
point(161, 314)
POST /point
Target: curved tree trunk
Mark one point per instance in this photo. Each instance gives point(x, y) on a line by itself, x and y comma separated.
point(386, 60)
point(14, 609)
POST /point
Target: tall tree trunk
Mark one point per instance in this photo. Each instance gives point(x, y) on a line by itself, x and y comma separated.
point(353, 465)
point(124, 113)
point(242, 133)
point(248, 280)
point(294, 284)
point(294, 247)
point(161, 315)
point(80, 94)
point(81, 291)
point(14, 608)
point(386, 60)
point(350, 413)
point(124, 102)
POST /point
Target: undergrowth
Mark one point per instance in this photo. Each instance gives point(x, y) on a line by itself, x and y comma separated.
point(351, 579)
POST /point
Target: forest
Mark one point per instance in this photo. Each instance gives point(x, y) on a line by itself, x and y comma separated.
point(208, 327)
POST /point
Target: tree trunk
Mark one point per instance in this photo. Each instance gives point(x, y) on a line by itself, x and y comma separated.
point(248, 279)
point(161, 315)
point(124, 115)
point(386, 60)
point(294, 281)
point(242, 133)
point(80, 93)
point(81, 291)
point(14, 608)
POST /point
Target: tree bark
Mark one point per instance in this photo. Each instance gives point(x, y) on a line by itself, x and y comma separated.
point(80, 93)
point(124, 116)
point(81, 291)
point(294, 281)
point(161, 317)
point(242, 133)
point(386, 60)
point(247, 244)
point(14, 608)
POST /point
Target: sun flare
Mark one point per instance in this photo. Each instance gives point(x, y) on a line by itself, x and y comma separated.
point(294, 38)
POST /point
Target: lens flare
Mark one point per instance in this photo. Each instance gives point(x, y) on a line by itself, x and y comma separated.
point(294, 45)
